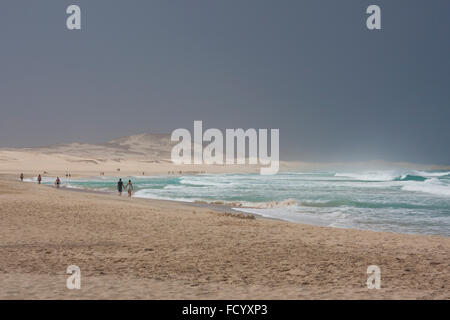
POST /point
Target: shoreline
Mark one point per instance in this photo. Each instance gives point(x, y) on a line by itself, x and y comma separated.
point(224, 208)
point(228, 208)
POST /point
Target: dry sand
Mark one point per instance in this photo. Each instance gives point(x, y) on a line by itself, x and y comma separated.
point(138, 249)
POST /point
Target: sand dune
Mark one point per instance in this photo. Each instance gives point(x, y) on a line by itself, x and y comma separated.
point(155, 146)
point(148, 153)
point(132, 155)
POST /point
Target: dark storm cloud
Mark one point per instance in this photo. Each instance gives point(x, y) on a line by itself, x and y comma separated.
point(336, 90)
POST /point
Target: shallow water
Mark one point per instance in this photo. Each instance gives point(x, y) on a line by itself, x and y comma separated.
point(396, 201)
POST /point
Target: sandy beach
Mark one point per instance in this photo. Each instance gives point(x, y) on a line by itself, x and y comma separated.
point(147, 249)
point(225, 150)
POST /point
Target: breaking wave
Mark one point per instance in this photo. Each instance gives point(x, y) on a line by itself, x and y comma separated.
point(432, 186)
point(409, 201)
point(393, 176)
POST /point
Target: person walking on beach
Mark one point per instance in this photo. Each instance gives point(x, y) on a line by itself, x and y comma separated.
point(57, 182)
point(120, 186)
point(39, 179)
point(21, 177)
point(129, 186)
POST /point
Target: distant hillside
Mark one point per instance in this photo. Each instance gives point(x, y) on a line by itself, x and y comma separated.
point(142, 150)
point(153, 146)
point(157, 145)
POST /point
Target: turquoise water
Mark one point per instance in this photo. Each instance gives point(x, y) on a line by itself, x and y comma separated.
point(404, 202)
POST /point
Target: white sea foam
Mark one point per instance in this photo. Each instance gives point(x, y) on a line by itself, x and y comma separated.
point(147, 194)
point(200, 182)
point(336, 218)
point(370, 176)
point(433, 174)
point(398, 201)
point(432, 186)
point(389, 175)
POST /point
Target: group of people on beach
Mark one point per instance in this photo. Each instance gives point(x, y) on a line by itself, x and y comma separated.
point(121, 187)
point(39, 178)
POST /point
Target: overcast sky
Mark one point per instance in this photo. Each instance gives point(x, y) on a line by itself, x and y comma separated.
point(336, 90)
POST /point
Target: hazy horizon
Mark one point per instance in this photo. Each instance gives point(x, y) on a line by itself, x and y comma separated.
point(361, 165)
point(337, 91)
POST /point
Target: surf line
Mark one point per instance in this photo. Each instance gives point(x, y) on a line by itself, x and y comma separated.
point(254, 141)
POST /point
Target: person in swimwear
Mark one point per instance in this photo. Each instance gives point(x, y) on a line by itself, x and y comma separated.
point(57, 182)
point(39, 179)
point(21, 177)
point(129, 186)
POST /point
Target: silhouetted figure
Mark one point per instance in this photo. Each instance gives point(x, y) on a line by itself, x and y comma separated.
point(120, 186)
point(21, 177)
point(39, 179)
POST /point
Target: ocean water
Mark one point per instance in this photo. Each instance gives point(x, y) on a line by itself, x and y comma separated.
point(416, 202)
